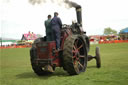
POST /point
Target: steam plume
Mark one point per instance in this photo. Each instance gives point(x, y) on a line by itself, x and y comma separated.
point(69, 3)
point(33, 2)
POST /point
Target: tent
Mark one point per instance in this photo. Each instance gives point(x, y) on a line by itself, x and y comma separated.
point(7, 42)
point(29, 36)
point(124, 34)
point(124, 31)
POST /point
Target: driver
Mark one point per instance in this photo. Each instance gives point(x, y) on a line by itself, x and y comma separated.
point(56, 25)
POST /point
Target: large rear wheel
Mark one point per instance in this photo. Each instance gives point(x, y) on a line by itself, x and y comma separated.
point(74, 55)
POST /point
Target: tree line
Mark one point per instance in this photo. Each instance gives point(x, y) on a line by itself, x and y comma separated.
point(109, 31)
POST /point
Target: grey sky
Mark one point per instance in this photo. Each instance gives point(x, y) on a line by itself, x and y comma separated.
point(19, 16)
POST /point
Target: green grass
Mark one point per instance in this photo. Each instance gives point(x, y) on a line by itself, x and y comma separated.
point(15, 68)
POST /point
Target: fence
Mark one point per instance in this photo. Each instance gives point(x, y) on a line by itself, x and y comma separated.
point(20, 46)
point(100, 42)
point(113, 41)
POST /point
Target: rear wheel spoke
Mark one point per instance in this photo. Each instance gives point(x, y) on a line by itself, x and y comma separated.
point(76, 65)
point(73, 51)
point(80, 47)
point(76, 43)
point(74, 56)
point(80, 64)
point(77, 69)
point(81, 56)
point(74, 47)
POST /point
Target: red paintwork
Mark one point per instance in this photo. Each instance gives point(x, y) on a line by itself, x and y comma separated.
point(45, 49)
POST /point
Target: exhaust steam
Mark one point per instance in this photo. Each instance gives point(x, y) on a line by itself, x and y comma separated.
point(69, 3)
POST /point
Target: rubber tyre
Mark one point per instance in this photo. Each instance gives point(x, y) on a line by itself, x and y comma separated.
point(68, 60)
point(98, 59)
point(36, 68)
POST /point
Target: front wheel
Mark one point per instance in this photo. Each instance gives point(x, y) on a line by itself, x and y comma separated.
point(98, 60)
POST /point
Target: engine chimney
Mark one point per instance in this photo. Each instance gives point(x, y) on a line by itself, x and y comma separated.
point(79, 14)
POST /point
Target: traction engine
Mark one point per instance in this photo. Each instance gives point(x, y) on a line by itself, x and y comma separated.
point(72, 56)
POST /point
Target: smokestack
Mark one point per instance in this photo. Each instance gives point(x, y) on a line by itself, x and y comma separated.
point(79, 14)
point(78, 10)
point(70, 4)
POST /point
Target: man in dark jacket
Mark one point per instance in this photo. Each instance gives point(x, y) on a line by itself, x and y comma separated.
point(56, 26)
point(48, 29)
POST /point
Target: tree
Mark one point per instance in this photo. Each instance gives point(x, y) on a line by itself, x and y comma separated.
point(108, 31)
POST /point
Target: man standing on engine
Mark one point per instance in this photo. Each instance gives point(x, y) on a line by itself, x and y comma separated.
point(48, 29)
point(56, 25)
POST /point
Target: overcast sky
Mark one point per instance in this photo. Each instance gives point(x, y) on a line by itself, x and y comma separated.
point(20, 16)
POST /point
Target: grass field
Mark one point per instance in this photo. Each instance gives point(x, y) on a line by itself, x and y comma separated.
point(15, 68)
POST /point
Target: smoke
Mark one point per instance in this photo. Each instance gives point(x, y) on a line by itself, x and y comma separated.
point(5, 1)
point(33, 2)
point(70, 3)
point(59, 2)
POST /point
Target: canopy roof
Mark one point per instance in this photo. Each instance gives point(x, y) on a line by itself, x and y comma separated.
point(124, 30)
point(29, 36)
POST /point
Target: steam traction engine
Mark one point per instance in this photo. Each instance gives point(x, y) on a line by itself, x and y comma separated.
point(73, 55)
